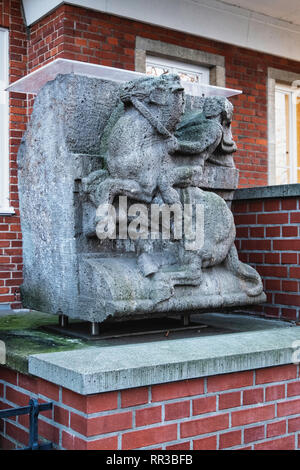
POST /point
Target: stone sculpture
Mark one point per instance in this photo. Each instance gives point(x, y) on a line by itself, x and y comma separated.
point(146, 142)
point(208, 133)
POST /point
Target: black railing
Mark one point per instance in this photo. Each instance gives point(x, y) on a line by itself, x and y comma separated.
point(33, 410)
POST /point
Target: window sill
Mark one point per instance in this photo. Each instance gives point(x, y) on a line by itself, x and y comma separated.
point(7, 211)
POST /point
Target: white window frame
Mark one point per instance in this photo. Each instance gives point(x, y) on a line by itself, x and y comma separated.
point(175, 65)
point(292, 96)
point(149, 47)
point(4, 130)
point(276, 77)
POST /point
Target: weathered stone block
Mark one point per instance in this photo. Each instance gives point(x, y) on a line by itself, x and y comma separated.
point(92, 142)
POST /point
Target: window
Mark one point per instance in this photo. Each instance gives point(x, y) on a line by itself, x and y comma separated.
point(287, 134)
point(187, 72)
point(207, 68)
point(4, 129)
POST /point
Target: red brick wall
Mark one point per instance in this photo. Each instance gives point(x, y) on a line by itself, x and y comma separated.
point(257, 410)
point(268, 238)
point(80, 34)
point(10, 235)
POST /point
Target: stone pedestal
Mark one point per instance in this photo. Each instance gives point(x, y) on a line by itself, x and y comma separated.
point(214, 389)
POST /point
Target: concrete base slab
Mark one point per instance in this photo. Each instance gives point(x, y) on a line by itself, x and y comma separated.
point(102, 369)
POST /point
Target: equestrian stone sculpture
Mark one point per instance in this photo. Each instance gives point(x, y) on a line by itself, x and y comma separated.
point(94, 170)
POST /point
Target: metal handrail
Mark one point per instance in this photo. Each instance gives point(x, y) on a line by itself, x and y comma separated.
point(33, 410)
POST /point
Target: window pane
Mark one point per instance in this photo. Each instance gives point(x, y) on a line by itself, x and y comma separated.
point(282, 175)
point(4, 171)
point(282, 122)
point(187, 72)
point(156, 70)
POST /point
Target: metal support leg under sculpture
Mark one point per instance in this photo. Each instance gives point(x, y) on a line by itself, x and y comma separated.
point(63, 321)
point(95, 328)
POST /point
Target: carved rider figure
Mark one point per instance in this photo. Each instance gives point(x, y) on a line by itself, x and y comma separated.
point(140, 140)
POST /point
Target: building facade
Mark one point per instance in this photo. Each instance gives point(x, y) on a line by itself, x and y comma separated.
point(268, 83)
point(220, 44)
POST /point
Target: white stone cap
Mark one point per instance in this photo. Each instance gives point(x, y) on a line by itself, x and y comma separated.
point(102, 369)
point(32, 82)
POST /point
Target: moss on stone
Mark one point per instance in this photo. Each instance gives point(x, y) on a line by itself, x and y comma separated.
point(23, 335)
point(30, 320)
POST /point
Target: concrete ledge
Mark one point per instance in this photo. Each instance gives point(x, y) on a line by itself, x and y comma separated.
point(102, 369)
point(267, 192)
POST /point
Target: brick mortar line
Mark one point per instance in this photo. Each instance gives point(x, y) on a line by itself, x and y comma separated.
point(217, 435)
point(213, 394)
point(266, 251)
point(218, 441)
point(243, 436)
point(61, 427)
point(178, 422)
point(277, 305)
point(163, 410)
point(187, 439)
point(265, 394)
point(191, 442)
point(119, 400)
point(24, 391)
point(270, 213)
point(253, 225)
point(11, 439)
point(265, 422)
point(258, 441)
point(273, 278)
point(266, 439)
point(286, 425)
point(191, 407)
point(152, 404)
point(119, 441)
point(275, 199)
point(178, 431)
point(16, 424)
point(205, 386)
point(118, 433)
point(155, 447)
point(264, 224)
